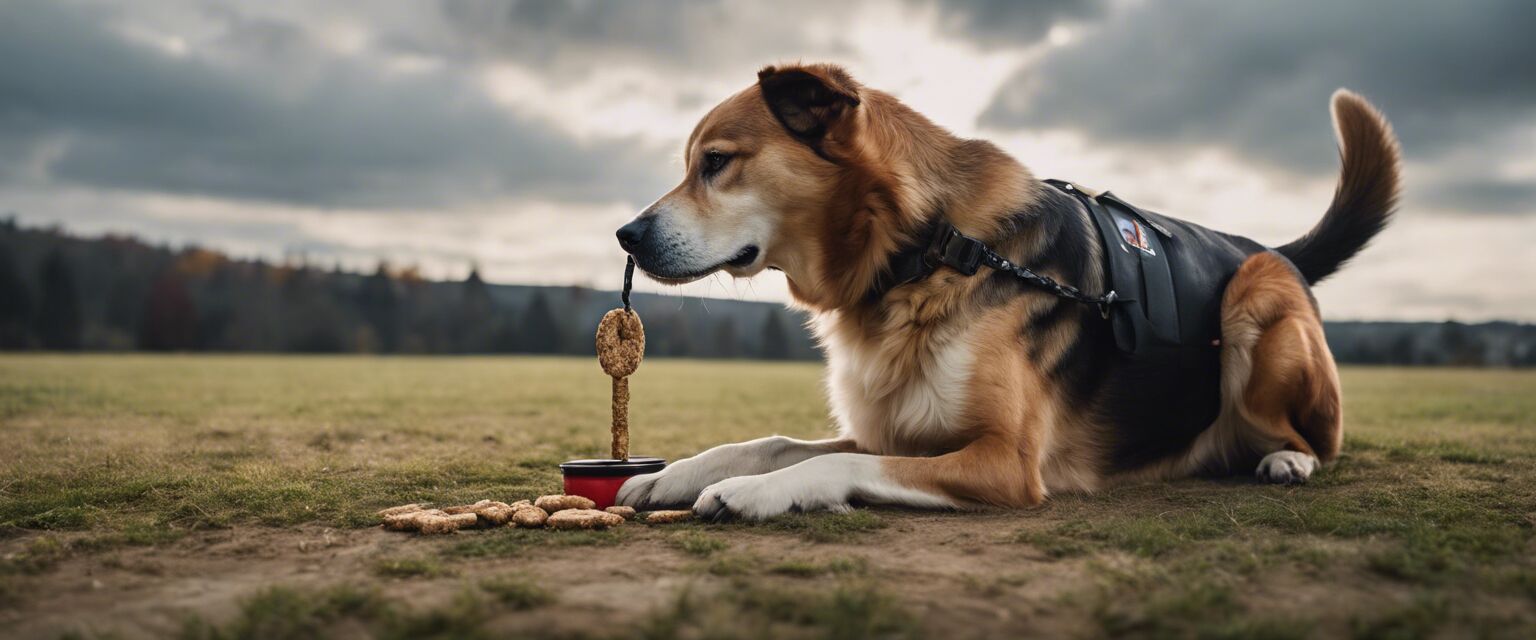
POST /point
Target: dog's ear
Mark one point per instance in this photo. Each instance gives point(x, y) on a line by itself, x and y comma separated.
point(809, 100)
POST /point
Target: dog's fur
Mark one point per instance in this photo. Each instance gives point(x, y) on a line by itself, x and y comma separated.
point(958, 391)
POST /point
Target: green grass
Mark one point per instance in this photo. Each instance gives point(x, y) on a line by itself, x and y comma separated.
point(1425, 525)
point(517, 592)
point(512, 543)
point(844, 611)
point(801, 568)
point(827, 527)
point(410, 567)
point(698, 543)
point(279, 613)
point(733, 564)
point(102, 443)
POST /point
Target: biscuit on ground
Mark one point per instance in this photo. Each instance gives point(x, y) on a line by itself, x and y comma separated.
point(666, 517)
point(496, 514)
point(528, 516)
point(583, 519)
point(561, 503)
point(409, 520)
point(431, 525)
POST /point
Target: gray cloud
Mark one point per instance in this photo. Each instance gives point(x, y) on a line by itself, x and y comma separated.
point(379, 107)
point(1255, 77)
point(572, 38)
point(1485, 194)
point(264, 112)
point(1008, 23)
point(702, 36)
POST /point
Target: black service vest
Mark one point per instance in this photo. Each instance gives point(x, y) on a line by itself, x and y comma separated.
point(1169, 276)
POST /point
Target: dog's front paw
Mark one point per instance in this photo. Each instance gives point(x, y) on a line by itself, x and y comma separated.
point(765, 496)
point(677, 485)
point(1286, 467)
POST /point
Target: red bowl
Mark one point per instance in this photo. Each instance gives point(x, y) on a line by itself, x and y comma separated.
point(599, 480)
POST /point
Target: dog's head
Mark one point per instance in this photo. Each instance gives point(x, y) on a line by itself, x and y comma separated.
point(758, 180)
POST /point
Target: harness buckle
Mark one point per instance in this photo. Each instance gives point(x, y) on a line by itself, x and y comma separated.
point(1109, 300)
point(953, 249)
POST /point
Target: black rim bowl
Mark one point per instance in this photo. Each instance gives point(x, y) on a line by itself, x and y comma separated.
point(634, 466)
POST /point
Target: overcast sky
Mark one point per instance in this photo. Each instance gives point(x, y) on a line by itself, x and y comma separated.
point(519, 135)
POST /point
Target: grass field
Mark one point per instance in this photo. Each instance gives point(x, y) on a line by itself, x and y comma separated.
point(231, 497)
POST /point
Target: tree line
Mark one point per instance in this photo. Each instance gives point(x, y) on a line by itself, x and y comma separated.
point(60, 292)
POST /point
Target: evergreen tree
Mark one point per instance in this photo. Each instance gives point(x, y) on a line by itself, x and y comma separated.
point(15, 303)
point(541, 332)
point(775, 341)
point(58, 318)
point(679, 341)
point(379, 306)
point(217, 308)
point(1459, 346)
point(475, 321)
point(170, 318)
point(312, 317)
point(725, 345)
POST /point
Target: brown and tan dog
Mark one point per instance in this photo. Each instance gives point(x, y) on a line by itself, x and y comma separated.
point(957, 391)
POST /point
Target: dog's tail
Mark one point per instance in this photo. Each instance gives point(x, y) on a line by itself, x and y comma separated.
point(1365, 198)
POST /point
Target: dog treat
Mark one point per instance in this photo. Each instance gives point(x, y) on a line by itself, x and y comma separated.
point(467, 508)
point(584, 519)
point(528, 516)
point(496, 514)
point(410, 520)
point(553, 511)
point(667, 517)
point(620, 347)
point(432, 524)
point(561, 503)
point(402, 521)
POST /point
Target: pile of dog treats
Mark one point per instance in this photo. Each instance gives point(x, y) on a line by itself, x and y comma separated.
point(554, 512)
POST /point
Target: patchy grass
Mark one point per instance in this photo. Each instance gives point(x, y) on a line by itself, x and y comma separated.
point(754, 610)
point(124, 466)
point(698, 543)
point(733, 564)
point(410, 567)
point(39, 555)
point(280, 612)
point(848, 526)
point(1182, 600)
point(1418, 619)
point(517, 592)
point(814, 568)
point(105, 443)
point(506, 542)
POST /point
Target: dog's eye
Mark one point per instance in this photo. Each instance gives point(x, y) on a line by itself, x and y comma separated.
point(714, 161)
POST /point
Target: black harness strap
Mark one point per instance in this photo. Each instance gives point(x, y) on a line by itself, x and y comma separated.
point(629, 281)
point(947, 247)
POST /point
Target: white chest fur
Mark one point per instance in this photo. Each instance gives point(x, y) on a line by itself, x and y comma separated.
point(898, 394)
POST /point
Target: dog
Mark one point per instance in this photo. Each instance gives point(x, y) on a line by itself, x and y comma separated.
point(960, 391)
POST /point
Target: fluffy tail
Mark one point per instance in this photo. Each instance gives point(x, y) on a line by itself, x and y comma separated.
point(1366, 195)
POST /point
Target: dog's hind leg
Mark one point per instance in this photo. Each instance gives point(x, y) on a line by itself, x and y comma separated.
point(680, 483)
point(1278, 372)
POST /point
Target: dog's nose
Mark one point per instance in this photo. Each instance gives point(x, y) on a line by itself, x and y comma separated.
point(631, 234)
